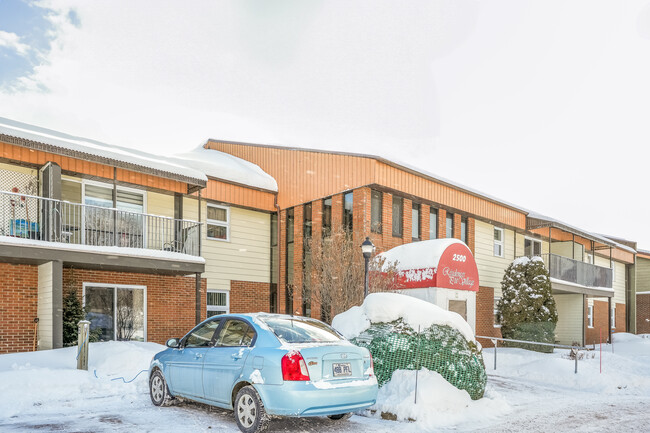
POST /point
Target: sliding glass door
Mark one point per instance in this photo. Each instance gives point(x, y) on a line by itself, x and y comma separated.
point(116, 312)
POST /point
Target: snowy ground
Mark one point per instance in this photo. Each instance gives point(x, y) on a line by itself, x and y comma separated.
point(42, 391)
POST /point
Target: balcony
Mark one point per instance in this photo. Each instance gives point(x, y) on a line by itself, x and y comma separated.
point(46, 220)
point(577, 272)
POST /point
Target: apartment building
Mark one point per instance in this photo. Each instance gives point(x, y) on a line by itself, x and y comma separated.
point(394, 204)
point(150, 245)
point(642, 273)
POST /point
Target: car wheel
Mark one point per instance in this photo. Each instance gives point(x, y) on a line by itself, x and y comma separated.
point(249, 411)
point(158, 390)
point(340, 416)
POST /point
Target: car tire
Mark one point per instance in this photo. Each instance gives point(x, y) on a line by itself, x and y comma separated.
point(340, 416)
point(158, 390)
point(250, 415)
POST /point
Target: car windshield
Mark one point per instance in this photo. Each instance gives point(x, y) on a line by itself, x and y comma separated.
point(299, 330)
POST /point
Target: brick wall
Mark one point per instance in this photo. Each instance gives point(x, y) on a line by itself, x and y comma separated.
point(171, 300)
point(249, 297)
point(601, 322)
point(18, 306)
point(643, 314)
point(485, 315)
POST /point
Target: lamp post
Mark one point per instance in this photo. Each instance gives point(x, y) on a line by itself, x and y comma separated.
point(366, 247)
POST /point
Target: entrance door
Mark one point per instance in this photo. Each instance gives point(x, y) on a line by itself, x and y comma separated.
point(459, 307)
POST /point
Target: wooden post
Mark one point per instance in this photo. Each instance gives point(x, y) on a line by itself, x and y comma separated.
point(82, 344)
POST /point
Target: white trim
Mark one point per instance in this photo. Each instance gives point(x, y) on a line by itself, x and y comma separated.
point(115, 287)
point(643, 293)
point(590, 316)
point(217, 222)
point(501, 243)
point(225, 309)
point(613, 315)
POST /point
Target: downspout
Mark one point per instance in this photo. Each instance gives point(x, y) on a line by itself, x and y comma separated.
point(198, 275)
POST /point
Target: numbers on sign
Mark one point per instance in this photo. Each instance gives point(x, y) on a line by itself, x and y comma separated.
point(459, 258)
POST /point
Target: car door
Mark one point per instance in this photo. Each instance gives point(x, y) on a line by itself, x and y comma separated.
point(186, 367)
point(224, 362)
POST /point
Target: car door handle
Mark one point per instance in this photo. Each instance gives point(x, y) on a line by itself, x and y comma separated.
point(198, 356)
point(236, 356)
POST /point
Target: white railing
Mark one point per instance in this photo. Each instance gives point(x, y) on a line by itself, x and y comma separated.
point(49, 220)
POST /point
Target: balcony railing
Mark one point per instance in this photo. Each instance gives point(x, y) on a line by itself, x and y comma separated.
point(574, 271)
point(48, 220)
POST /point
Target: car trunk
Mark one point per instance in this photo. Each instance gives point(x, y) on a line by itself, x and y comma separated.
point(336, 362)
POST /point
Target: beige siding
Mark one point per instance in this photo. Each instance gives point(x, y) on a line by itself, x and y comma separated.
point(642, 274)
point(160, 204)
point(490, 267)
point(570, 318)
point(245, 257)
point(70, 191)
point(568, 249)
point(45, 325)
point(619, 278)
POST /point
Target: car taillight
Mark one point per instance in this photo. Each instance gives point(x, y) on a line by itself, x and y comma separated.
point(294, 367)
point(371, 371)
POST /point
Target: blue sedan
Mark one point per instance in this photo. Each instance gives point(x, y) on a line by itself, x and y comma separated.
point(262, 365)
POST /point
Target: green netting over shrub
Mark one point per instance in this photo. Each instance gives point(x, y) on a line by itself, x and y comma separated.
point(396, 346)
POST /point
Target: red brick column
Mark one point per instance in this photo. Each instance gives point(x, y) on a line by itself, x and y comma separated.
point(471, 234)
point(407, 221)
point(249, 296)
point(457, 218)
point(361, 214)
point(337, 212)
point(485, 315)
point(442, 223)
point(18, 307)
point(425, 218)
point(297, 258)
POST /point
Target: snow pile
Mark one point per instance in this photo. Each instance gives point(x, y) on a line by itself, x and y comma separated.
point(39, 381)
point(524, 260)
point(221, 165)
point(388, 307)
point(439, 404)
point(417, 255)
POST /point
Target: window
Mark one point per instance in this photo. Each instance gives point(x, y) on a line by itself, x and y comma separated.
point(433, 223)
point(498, 242)
point(301, 330)
point(590, 316)
point(532, 247)
point(415, 222)
point(235, 333)
point(347, 212)
point(217, 302)
point(497, 315)
point(327, 217)
point(449, 231)
point(274, 230)
point(116, 312)
point(306, 220)
point(218, 222)
point(102, 225)
point(376, 206)
point(203, 335)
point(463, 229)
point(398, 216)
point(613, 314)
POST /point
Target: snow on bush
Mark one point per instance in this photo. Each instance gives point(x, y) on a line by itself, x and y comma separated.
point(439, 404)
point(388, 307)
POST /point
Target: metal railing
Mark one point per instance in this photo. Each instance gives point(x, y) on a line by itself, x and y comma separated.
point(495, 341)
point(578, 272)
point(49, 220)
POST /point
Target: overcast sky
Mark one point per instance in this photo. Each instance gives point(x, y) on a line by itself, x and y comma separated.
point(545, 104)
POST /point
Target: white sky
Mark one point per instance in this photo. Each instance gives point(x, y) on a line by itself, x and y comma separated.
point(545, 104)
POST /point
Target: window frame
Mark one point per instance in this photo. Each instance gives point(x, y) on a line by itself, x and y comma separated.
point(590, 316)
point(400, 233)
point(534, 241)
point(84, 285)
point(326, 221)
point(376, 226)
point(217, 222)
point(500, 243)
point(495, 318)
point(347, 217)
point(449, 234)
point(433, 211)
point(217, 307)
point(464, 221)
point(417, 223)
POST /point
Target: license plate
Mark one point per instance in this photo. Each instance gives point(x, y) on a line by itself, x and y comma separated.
point(341, 369)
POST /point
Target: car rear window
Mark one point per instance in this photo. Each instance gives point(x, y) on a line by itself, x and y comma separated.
point(294, 330)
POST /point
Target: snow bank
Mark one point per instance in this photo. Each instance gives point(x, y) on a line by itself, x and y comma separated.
point(387, 307)
point(50, 378)
point(439, 404)
point(524, 260)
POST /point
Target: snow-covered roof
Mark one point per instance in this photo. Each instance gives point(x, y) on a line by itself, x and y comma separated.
point(536, 220)
point(92, 150)
point(418, 255)
point(224, 166)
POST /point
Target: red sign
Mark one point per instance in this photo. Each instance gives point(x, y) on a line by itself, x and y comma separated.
point(456, 270)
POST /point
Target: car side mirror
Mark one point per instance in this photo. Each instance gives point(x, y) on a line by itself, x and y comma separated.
point(173, 343)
